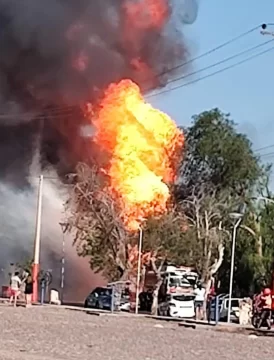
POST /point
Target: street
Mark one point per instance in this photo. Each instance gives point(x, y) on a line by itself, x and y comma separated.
point(54, 333)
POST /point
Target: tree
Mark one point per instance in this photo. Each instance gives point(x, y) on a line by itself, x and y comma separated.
point(219, 172)
point(218, 156)
point(98, 229)
point(255, 242)
point(208, 216)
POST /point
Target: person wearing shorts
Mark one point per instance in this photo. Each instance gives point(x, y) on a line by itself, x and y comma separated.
point(15, 284)
point(199, 293)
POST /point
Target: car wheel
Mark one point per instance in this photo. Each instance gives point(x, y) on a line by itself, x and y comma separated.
point(86, 304)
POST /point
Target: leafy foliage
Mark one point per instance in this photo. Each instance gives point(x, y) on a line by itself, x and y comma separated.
point(217, 155)
point(98, 229)
point(219, 164)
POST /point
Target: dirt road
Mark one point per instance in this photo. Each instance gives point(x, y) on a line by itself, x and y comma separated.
point(48, 333)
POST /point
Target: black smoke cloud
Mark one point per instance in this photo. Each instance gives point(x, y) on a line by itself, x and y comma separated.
point(43, 41)
point(56, 55)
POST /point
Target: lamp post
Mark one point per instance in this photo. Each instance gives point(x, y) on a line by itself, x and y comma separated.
point(63, 259)
point(37, 241)
point(139, 268)
point(237, 218)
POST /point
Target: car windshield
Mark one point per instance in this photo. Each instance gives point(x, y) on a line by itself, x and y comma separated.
point(192, 280)
point(183, 297)
point(101, 292)
point(178, 281)
point(106, 292)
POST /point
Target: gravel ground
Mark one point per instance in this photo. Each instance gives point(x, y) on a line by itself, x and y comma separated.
point(48, 333)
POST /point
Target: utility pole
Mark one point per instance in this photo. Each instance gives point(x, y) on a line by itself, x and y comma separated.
point(37, 241)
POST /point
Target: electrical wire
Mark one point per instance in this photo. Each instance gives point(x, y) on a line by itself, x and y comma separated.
point(216, 48)
point(212, 74)
point(264, 148)
point(267, 155)
point(234, 56)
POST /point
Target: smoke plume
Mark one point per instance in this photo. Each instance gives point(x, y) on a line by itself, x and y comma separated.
point(55, 56)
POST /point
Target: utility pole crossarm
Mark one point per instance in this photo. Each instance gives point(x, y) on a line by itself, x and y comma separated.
point(266, 32)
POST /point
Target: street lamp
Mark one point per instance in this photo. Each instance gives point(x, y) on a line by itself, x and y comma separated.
point(139, 268)
point(237, 218)
point(64, 227)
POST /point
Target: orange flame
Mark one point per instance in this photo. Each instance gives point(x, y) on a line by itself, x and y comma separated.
point(142, 143)
point(147, 14)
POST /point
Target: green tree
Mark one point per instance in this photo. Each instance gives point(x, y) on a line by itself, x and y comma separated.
point(253, 264)
point(218, 156)
point(220, 161)
point(94, 219)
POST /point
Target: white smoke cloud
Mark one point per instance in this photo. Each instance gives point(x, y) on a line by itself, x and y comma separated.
point(17, 230)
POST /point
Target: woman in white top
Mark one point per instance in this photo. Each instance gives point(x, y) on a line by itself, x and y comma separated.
point(15, 283)
point(199, 293)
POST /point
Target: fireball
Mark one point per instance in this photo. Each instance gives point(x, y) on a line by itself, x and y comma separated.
point(141, 143)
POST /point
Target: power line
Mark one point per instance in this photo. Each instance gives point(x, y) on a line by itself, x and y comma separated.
point(264, 148)
point(268, 154)
point(250, 49)
point(216, 48)
point(212, 74)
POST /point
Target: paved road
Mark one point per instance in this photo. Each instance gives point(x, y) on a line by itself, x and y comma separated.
point(59, 334)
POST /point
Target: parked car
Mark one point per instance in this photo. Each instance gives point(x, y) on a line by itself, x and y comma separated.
point(101, 298)
point(178, 305)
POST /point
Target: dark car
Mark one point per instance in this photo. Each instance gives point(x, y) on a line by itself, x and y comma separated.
point(101, 298)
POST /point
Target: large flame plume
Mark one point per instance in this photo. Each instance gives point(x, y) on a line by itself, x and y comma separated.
point(143, 144)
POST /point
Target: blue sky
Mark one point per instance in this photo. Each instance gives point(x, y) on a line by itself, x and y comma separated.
point(247, 91)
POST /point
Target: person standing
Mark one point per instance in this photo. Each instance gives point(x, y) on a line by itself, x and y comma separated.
point(199, 293)
point(266, 301)
point(15, 283)
point(28, 290)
